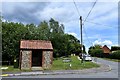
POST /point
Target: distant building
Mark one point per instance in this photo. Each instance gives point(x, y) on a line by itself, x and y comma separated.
point(35, 53)
point(105, 49)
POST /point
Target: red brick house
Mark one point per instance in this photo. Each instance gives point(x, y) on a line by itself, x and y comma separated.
point(35, 53)
point(105, 49)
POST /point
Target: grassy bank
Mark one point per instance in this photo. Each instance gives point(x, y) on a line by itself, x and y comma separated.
point(75, 64)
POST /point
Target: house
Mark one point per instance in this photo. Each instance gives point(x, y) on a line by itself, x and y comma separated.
point(105, 49)
point(35, 54)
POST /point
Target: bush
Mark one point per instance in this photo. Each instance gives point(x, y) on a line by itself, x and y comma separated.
point(106, 55)
point(115, 55)
point(115, 48)
point(97, 52)
point(16, 63)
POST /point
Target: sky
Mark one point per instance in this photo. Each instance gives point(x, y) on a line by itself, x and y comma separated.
point(101, 26)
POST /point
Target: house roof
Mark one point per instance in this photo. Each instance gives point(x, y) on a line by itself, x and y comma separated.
point(106, 49)
point(35, 44)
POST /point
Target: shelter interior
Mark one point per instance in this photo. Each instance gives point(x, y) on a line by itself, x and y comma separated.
point(36, 58)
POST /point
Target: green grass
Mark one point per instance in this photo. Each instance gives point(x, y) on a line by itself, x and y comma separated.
point(58, 64)
point(76, 64)
point(10, 69)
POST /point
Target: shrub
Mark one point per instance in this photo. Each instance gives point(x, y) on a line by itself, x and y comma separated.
point(115, 55)
point(96, 52)
point(114, 48)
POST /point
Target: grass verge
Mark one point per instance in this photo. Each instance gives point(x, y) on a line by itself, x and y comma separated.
point(12, 69)
point(75, 64)
point(58, 64)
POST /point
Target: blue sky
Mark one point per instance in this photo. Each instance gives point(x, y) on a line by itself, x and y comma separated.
point(105, 13)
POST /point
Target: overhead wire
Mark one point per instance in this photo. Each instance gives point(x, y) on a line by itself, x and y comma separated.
point(87, 36)
point(101, 24)
point(90, 11)
point(89, 14)
point(86, 18)
point(76, 8)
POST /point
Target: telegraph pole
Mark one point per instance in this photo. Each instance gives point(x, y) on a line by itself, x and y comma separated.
point(81, 30)
point(81, 37)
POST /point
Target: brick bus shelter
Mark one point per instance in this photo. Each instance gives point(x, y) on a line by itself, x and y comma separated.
point(35, 54)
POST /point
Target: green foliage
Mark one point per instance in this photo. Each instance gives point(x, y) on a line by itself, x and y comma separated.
point(96, 51)
point(116, 52)
point(12, 33)
point(97, 46)
point(114, 48)
point(115, 55)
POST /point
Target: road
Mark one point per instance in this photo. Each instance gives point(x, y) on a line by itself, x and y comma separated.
point(113, 73)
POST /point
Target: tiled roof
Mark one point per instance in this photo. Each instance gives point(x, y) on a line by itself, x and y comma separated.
point(35, 44)
point(106, 49)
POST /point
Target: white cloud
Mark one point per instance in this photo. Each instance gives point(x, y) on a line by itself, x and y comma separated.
point(103, 13)
point(115, 45)
point(72, 33)
point(66, 13)
point(105, 42)
point(58, 11)
point(108, 42)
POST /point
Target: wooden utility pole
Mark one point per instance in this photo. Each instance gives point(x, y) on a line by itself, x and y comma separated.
point(81, 31)
point(81, 37)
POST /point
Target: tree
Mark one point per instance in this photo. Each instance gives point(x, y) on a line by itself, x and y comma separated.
point(97, 46)
point(96, 51)
point(73, 45)
point(115, 54)
point(12, 33)
point(43, 31)
point(114, 48)
point(61, 28)
point(54, 26)
point(31, 31)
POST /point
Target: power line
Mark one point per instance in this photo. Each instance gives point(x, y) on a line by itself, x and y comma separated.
point(86, 18)
point(76, 8)
point(90, 11)
point(89, 14)
point(87, 36)
point(100, 24)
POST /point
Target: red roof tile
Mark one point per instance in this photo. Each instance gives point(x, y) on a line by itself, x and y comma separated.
point(35, 44)
point(106, 49)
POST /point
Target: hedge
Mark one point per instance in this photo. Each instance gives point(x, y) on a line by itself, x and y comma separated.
point(96, 52)
point(115, 55)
